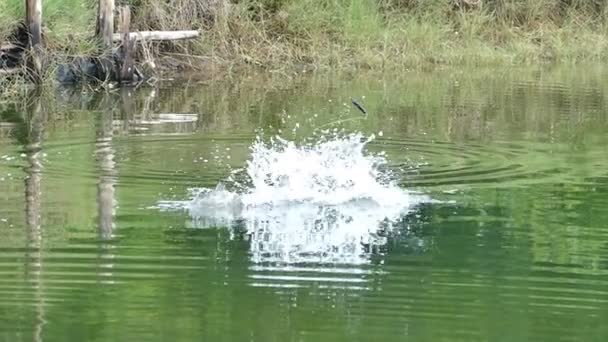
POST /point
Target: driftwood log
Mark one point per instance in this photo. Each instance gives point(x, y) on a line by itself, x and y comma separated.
point(9, 71)
point(157, 35)
point(467, 4)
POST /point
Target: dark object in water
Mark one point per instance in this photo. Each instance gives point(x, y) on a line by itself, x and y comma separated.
point(78, 70)
point(358, 105)
point(82, 69)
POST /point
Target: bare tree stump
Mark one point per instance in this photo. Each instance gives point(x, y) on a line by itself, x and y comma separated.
point(105, 24)
point(34, 26)
point(127, 67)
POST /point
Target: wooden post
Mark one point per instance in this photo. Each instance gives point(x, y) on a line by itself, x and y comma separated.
point(33, 9)
point(104, 32)
point(34, 21)
point(105, 24)
point(127, 68)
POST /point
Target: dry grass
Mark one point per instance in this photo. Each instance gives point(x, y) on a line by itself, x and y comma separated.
point(378, 34)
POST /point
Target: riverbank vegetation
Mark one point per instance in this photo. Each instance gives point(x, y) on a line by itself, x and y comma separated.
point(287, 35)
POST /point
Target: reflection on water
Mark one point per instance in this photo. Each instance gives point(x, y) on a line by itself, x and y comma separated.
point(34, 125)
point(308, 233)
point(106, 197)
point(513, 247)
point(146, 121)
point(316, 234)
point(107, 175)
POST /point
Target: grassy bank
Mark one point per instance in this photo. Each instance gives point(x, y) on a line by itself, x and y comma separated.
point(345, 34)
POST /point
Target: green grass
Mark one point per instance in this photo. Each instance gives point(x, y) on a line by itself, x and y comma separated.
point(69, 24)
point(381, 34)
point(8, 19)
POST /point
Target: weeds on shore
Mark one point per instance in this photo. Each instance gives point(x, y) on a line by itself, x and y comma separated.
point(379, 34)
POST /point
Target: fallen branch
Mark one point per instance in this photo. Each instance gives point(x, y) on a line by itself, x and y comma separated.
point(10, 71)
point(158, 35)
point(9, 46)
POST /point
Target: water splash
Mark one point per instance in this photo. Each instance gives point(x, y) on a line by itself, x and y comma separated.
point(329, 172)
point(324, 202)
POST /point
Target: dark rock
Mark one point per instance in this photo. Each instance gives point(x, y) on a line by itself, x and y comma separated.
point(87, 69)
point(77, 70)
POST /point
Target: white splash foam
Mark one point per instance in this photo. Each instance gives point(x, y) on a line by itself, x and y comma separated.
point(326, 202)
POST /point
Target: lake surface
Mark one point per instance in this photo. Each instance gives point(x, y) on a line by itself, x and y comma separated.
point(488, 221)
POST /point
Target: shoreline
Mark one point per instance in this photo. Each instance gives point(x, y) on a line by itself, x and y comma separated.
point(288, 38)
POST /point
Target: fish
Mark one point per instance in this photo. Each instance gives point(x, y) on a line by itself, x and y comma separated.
point(358, 105)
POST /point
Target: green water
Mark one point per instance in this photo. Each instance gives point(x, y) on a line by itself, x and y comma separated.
point(514, 247)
